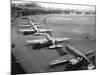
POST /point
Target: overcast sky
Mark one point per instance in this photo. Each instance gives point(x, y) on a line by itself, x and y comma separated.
point(64, 6)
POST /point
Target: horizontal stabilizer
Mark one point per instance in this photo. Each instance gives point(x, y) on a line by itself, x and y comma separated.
point(55, 46)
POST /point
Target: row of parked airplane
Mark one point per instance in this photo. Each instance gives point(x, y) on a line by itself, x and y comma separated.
point(47, 38)
point(49, 41)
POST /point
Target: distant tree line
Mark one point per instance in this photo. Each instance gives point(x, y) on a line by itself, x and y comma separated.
point(34, 8)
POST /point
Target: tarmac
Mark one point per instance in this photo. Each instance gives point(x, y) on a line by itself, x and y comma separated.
point(74, 27)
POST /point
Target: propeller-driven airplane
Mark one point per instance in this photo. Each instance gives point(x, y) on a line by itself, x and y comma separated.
point(47, 41)
point(77, 58)
point(29, 23)
point(33, 28)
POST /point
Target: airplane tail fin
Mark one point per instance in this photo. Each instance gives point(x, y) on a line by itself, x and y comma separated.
point(48, 36)
point(50, 33)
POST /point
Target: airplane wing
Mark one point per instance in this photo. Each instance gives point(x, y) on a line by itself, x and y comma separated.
point(25, 25)
point(23, 22)
point(60, 40)
point(23, 30)
point(44, 30)
point(60, 60)
point(35, 41)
